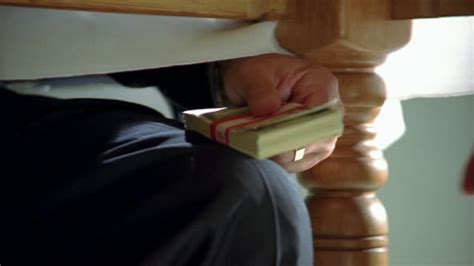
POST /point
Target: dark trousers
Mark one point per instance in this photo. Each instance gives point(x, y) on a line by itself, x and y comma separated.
point(103, 182)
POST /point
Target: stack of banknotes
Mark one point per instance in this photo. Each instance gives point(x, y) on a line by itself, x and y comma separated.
point(293, 126)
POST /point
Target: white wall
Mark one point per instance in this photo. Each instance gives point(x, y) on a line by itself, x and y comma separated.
point(431, 221)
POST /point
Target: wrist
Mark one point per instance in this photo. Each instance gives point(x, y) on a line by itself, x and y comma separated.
point(219, 96)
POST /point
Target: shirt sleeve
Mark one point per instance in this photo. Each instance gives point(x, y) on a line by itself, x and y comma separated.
point(186, 87)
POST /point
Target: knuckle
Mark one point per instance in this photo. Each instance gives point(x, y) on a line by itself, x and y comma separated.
point(328, 150)
point(328, 147)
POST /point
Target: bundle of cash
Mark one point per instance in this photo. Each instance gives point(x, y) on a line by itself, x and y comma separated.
point(293, 126)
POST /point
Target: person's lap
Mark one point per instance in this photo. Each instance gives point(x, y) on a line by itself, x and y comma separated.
point(107, 182)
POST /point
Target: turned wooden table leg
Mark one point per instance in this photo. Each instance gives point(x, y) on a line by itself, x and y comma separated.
point(349, 222)
point(351, 37)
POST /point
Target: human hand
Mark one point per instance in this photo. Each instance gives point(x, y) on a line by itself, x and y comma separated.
point(264, 82)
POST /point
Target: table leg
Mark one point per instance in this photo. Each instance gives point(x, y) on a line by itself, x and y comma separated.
point(350, 37)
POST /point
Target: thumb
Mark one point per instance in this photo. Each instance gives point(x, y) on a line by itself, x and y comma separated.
point(263, 98)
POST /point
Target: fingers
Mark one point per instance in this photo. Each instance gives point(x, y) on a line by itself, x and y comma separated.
point(317, 86)
point(265, 81)
point(250, 81)
point(314, 154)
point(262, 98)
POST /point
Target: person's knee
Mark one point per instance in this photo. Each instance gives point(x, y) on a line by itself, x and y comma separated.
point(235, 171)
point(267, 209)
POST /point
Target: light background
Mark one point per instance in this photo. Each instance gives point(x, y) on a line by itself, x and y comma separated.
point(431, 221)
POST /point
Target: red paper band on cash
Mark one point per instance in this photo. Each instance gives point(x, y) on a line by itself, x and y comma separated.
point(221, 133)
point(222, 120)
